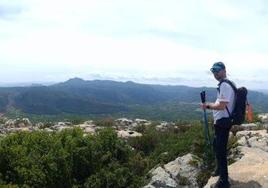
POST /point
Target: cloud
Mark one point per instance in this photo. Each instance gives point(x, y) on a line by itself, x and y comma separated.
point(134, 39)
point(9, 12)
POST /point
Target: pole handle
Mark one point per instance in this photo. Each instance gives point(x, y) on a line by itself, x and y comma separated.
point(203, 96)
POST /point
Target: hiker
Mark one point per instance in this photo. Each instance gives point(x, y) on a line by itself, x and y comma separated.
point(222, 122)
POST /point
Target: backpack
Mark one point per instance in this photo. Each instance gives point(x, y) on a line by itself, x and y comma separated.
point(239, 112)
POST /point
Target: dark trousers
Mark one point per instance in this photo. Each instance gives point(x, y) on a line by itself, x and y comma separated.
point(222, 129)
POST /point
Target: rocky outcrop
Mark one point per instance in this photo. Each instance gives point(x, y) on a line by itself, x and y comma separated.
point(263, 117)
point(128, 134)
point(124, 122)
point(61, 126)
point(243, 127)
point(24, 122)
point(88, 127)
point(128, 124)
point(16, 125)
point(124, 127)
point(182, 172)
point(251, 168)
point(163, 126)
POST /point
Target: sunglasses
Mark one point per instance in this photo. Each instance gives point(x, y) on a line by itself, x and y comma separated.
point(215, 70)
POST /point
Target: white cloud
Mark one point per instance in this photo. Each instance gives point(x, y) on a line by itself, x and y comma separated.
point(147, 39)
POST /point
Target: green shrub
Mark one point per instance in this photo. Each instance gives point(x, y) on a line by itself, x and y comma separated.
point(140, 128)
point(67, 158)
point(70, 159)
point(146, 143)
point(106, 122)
point(203, 177)
point(184, 181)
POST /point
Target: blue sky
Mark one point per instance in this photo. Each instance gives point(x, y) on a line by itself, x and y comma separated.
point(150, 41)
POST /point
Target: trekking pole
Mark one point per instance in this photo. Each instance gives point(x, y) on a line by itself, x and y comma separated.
point(206, 130)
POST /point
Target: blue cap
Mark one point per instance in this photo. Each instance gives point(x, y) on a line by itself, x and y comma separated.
point(217, 67)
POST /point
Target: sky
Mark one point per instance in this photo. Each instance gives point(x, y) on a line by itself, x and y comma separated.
point(148, 41)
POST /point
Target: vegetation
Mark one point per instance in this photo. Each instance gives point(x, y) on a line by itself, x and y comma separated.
point(162, 147)
point(184, 181)
point(97, 99)
point(69, 159)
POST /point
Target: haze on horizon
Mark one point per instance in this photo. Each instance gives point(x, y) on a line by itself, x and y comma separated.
point(166, 42)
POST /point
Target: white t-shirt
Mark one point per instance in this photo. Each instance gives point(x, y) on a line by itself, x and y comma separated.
point(226, 95)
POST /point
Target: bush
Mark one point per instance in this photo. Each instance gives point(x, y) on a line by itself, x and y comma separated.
point(184, 181)
point(107, 122)
point(67, 158)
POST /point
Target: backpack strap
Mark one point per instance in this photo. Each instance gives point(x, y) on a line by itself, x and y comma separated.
point(228, 82)
point(233, 87)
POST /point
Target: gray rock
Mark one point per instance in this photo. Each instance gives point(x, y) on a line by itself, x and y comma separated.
point(250, 171)
point(175, 172)
point(242, 141)
point(263, 117)
point(128, 133)
point(251, 168)
point(161, 178)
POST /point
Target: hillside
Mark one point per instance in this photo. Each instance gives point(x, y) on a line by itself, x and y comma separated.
point(105, 97)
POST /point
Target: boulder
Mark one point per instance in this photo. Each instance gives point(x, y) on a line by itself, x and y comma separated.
point(127, 133)
point(251, 166)
point(250, 171)
point(242, 127)
point(142, 121)
point(255, 139)
point(89, 130)
point(39, 125)
point(10, 123)
point(182, 172)
point(26, 122)
point(161, 178)
point(64, 124)
point(89, 122)
point(163, 126)
point(123, 121)
point(48, 130)
point(263, 117)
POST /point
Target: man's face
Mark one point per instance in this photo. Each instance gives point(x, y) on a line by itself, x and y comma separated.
point(219, 75)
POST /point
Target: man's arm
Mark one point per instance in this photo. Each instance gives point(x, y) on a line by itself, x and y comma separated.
point(214, 106)
point(217, 106)
point(223, 98)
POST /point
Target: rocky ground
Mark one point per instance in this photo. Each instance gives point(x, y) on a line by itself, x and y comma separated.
point(182, 172)
point(124, 127)
point(251, 170)
point(250, 167)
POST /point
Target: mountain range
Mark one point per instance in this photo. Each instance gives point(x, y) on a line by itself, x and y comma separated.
point(106, 97)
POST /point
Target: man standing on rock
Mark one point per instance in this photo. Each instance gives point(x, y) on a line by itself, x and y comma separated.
point(222, 122)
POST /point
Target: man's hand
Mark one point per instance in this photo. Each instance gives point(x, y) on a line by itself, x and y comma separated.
point(203, 106)
point(214, 106)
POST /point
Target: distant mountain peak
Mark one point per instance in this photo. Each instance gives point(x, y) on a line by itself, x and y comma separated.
point(76, 80)
point(73, 82)
point(130, 82)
